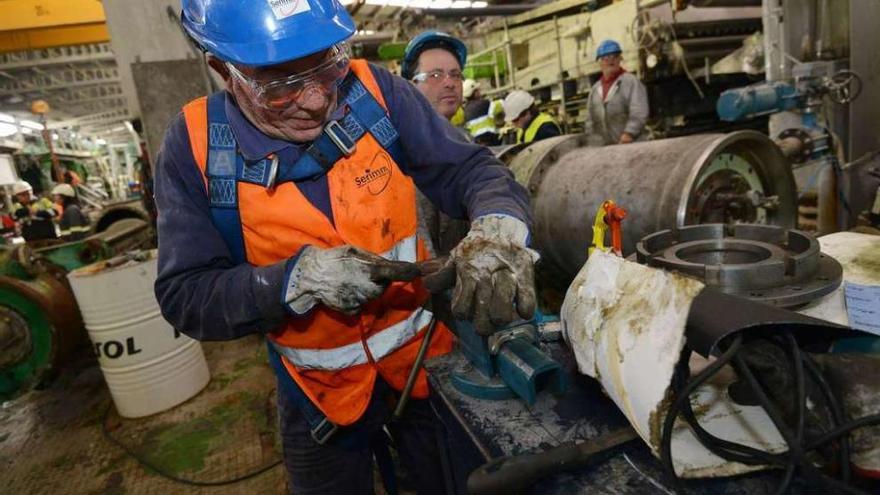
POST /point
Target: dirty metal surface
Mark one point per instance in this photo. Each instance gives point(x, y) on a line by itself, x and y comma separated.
point(479, 430)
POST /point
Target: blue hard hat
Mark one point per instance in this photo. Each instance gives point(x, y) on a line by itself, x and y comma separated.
point(608, 47)
point(265, 32)
point(425, 41)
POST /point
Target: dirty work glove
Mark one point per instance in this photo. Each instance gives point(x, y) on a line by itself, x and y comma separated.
point(493, 274)
point(342, 278)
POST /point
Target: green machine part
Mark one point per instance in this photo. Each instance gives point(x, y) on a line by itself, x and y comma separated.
point(40, 323)
point(391, 51)
point(483, 67)
point(28, 372)
point(77, 254)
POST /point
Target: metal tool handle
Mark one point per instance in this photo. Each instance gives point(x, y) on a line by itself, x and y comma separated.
point(515, 474)
point(414, 372)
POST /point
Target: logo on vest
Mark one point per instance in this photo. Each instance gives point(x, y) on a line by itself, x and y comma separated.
point(377, 177)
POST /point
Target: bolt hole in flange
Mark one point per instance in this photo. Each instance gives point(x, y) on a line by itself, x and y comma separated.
point(744, 260)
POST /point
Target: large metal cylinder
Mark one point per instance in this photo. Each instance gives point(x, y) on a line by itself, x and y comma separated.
point(739, 177)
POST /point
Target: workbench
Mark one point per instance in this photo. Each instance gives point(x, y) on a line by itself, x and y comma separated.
point(476, 431)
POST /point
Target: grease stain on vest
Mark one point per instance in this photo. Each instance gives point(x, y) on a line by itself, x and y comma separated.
point(386, 227)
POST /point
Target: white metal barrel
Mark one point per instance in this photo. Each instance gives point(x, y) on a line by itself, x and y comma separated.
point(148, 365)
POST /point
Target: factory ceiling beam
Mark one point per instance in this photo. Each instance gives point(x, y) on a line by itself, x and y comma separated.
point(62, 55)
point(545, 11)
point(89, 93)
point(79, 108)
point(36, 24)
point(96, 119)
point(109, 100)
point(46, 81)
point(492, 10)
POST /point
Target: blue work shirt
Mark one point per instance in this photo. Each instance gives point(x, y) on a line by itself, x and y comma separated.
point(204, 294)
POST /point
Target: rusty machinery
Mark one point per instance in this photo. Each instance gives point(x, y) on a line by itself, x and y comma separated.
point(740, 177)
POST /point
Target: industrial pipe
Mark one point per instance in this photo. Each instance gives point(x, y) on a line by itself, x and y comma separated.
point(739, 177)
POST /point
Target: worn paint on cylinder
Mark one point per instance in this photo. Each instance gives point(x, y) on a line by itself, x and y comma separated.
point(656, 181)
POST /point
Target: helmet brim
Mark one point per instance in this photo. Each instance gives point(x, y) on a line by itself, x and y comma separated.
point(322, 34)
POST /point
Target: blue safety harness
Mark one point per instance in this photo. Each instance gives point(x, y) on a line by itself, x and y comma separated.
point(226, 167)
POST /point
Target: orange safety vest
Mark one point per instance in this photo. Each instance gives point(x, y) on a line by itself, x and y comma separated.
point(374, 208)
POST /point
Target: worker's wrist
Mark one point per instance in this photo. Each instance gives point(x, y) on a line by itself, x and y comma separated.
point(501, 227)
point(266, 282)
point(295, 301)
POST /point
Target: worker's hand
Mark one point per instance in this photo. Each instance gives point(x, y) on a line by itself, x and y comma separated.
point(494, 274)
point(626, 138)
point(342, 278)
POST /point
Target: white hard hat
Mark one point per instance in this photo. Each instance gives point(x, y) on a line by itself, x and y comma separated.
point(21, 186)
point(516, 103)
point(468, 88)
point(64, 190)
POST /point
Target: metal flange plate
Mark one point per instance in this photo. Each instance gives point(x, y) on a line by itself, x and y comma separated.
point(765, 263)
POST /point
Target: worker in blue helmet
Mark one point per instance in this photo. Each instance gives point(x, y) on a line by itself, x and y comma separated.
point(434, 61)
point(617, 109)
point(286, 208)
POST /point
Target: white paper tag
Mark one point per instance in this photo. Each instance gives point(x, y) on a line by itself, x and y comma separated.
point(863, 306)
point(286, 8)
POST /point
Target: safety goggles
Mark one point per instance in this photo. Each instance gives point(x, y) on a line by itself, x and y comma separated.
point(278, 93)
point(438, 76)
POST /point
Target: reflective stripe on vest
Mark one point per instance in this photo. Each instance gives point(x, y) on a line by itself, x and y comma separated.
point(381, 344)
point(481, 125)
point(532, 130)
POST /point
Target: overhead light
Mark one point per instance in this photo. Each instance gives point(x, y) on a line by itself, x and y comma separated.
point(398, 3)
point(461, 4)
point(100, 142)
point(441, 4)
point(7, 129)
point(54, 137)
point(5, 117)
point(27, 130)
point(32, 125)
point(420, 4)
point(480, 5)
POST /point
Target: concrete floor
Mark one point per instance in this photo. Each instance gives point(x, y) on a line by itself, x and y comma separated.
point(51, 440)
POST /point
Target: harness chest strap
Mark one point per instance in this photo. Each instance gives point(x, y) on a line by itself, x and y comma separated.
point(226, 167)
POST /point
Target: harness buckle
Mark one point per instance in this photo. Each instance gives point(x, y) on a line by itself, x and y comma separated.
point(323, 431)
point(273, 172)
point(340, 138)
